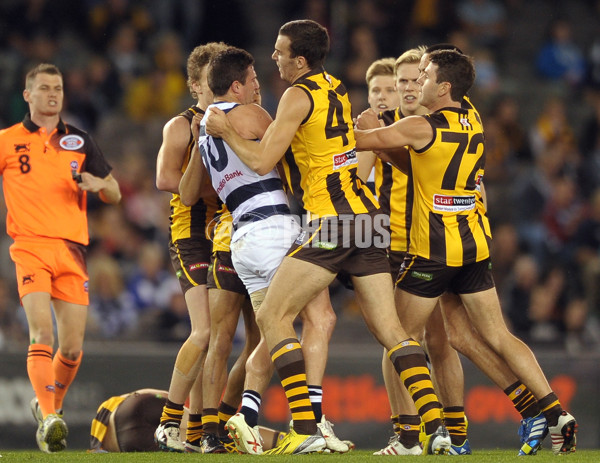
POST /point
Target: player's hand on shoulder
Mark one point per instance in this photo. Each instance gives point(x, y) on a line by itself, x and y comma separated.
point(217, 122)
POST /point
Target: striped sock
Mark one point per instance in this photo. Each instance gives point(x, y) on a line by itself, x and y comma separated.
point(225, 412)
point(456, 423)
point(172, 414)
point(316, 400)
point(210, 420)
point(289, 362)
point(409, 360)
point(250, 405)
point(395, 419)
point(65, 371)
point(522, 399)
point(409, 427)
point(551, 408)
point(41, 375)
point(194, 431)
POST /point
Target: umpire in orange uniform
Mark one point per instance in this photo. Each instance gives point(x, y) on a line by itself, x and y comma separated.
point(48, 167)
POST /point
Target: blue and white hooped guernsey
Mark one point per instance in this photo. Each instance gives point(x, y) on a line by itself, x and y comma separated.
point(249, 197)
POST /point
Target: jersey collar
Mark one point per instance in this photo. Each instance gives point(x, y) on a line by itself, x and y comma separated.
point(312, 72)
point(33, 127)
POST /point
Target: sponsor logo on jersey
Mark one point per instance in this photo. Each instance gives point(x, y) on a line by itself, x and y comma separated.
point(345, 159)
point(421, 275)
point(86, 286)
point(21, 148)
point(198, 266)
point(447, 203)
point(74, 165)
point(71, 142)
point(228, 177)
point(27, 279)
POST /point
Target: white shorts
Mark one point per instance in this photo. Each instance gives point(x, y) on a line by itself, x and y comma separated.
point(258, 248)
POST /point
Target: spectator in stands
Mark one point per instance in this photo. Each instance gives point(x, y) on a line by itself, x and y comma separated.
point(160, 93)
point(112, 313)
point(484, 21)
point(362, 52)
point(560, 58)
point(150, 278)
point(506, 111)
point(552, 126)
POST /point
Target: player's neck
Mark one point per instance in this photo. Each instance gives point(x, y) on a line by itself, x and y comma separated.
point(49, 122)
point(300, 73)
point(444, 103)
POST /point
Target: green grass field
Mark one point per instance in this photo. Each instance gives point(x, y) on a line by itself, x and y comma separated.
point(479, 456)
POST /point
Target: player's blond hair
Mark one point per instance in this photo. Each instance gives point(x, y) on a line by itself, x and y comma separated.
point(43, 68)
point(381, 67)
point(199, 59)
point(411, 56)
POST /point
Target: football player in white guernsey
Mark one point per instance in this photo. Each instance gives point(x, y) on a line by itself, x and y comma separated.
point(263, 231)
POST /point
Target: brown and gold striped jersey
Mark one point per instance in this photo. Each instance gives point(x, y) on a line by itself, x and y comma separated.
point(195, 221)
point(394, 192)
point(448, 222)
point(321, 165)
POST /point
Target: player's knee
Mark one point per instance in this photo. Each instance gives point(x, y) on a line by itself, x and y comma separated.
point(328, 321)
point(221, 345)
point(70, 354)
point(264, 320)
point(258, 367)
point(200, 336)
point(456, 338)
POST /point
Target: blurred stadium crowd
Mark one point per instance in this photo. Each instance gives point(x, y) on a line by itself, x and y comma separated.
point(537, 88)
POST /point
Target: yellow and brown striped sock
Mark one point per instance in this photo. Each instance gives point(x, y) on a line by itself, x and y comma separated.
point(210, 420)
point(409, 360)
point(172, 413)
point(226, 411)
point(289, 362)
point(195, 428)
point(409, 426)
point(456, 423)
point(523, 400)
point(551, 408)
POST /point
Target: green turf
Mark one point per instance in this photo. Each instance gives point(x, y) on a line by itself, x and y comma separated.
point(479, 456)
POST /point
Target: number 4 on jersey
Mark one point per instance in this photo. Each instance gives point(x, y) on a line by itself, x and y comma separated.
point(340, 129)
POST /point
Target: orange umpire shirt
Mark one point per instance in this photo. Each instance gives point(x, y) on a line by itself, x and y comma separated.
point(41, 196)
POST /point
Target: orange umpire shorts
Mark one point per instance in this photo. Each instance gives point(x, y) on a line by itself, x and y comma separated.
point(51, 265)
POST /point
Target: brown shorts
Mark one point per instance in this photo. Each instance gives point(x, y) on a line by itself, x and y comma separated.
point(53, 266)
point(343, 244)
point(427, 278)
point(190, 259)
point(396, 260)
point(222, 275)
point(135, 421)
